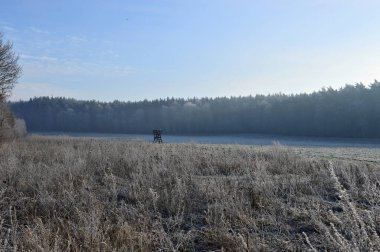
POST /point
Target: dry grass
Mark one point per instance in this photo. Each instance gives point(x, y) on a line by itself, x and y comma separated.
point(64, 194)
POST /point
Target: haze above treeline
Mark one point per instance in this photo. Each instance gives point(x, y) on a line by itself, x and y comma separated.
point(351, 111)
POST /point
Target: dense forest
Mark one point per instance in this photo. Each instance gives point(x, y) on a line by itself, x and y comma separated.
point(351, 111)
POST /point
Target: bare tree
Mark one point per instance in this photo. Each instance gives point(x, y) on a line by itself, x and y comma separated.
point(7, 121)
point(10, 70)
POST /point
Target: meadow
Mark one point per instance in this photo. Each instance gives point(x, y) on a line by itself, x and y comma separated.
point(78, 194)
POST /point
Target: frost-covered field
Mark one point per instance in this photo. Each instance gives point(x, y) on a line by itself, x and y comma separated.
point(79, 194)
point(349, 154)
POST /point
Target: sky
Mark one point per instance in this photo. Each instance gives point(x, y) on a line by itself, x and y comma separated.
point(133, 50)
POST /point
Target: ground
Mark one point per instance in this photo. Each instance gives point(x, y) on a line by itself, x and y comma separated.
point(78, 194)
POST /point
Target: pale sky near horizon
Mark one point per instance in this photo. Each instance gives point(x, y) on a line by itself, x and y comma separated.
point(135, 50)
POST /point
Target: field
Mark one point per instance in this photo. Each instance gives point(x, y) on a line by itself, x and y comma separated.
point(77, 194)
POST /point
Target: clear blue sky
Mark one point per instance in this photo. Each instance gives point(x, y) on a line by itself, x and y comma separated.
point(132, 50)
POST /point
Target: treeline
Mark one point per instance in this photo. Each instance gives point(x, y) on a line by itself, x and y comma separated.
point(351, 111)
